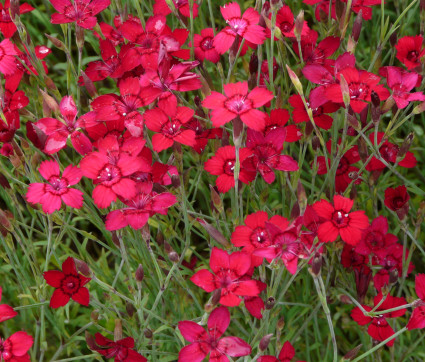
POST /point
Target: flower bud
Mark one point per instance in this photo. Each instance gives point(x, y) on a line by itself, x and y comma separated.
point(280, 323)
point(393, 39)
point(264, 342)
point(214, 233)
point(362, 148)
point(253, 63)
point(315, 142)
point(419, 108)
point(79, 34)
point(94, 315)
point(357, 26)
point(208, 308)
point(4, 221)
point(317, 265)
point(91, 344)
point(295, 80)
point(376, 110)
point(345, 299)
point(88, 83)
point(82, 267)
point(3, 182)
point(139, 273)
point(56, 42)
point(340, 9)
point(345, 91)
point(118, 330)
point(352, 353)
point(148, 333)
point(301, 196)
point(174, 257)
point(393, 274)
point(405, 146)
point(270, 302)
point(216, 199)
point(130, 309)
point(216, 296)
point(299, 24)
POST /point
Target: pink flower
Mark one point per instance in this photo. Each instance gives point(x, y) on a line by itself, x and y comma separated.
point(81, 12)
point(238, 101)
point(229, 275)
point(204, 46)
point(168, 124)
point(58, 131)
point(246, 27)
point(6, 311)
point(16, 347)
point(50, 194)
point(139, 208)
point(7, 26)
point(7, 57)
point(204, 342)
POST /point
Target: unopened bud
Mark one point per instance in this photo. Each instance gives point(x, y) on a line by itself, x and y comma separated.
point(419, 108)
point(362, 148)
point(352, 120)
point(345, 299)
point(353, 353)
point(82, 267)
point(91, 344)
point(216, 199)
point(234, 49)
point(301, 196)
point(129, 307)
point(317, 265)
point(56, 42)
point(405, 146)
point(253, 63)
point(280, 323)
point(295, 211)
point(50, 101)
point(94, 315)
point(216, 296)
point(357, 26)
point(118, 330)
point(175, 181)
point(214, 233)
point(140, 274)
point(393, 273)
point(393, 39)
point(88, 83)
point(295, 80)
point(315, 142)
point(376, 110)
point(148, 333)
point(270, 302)
point(208, 308)
point(264, 342)
point(174, 257)
point(4, 221)
point(340, 9)
point(299, 24)
point(345, 91)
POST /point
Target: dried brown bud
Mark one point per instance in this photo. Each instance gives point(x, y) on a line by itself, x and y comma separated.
point(216, 199)
point(140, 274)
point(270, 302)
point(301, 196)
point(317, 265)
point(405, 146)
point(94, 315)
point(130, 309)
point(3, 182)
point(175, 181)
point(315, 142)
point(340, 8)
point(82, 267)
point(216, 296)
point(345, 299)
point(362, 148)
point(393, 276)
point(353, 353)
point(79, 34)
point(264, 342)
point(376, 110)
point(280, 323)
point(167, 247)
point(91, 344)
point(118, 330)
point(148, 333)
point(174, 257)
point(88, 83)
point(214, 233)
point(393, 39)
point(50, 101)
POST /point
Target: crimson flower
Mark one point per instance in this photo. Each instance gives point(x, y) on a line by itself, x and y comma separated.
point(278, 119)
point(360, 85)
point(253, 234)
point(50, 194)
point(7, 26)
point(7, 57)
point(397, 200)
point(121, 350)
point(229, 275)
point(285, 22)
point(16, 347)
point(266, 154)
point(161, 8)
point(286, 354)
point(6, 311)
point(417, 319)
point(110, 169)
point(202, 134)
point(139, 208)
point(342, 176)
point(389, 152)
point(160, 82)
point(410, 51)
point(211, 341)
point(58, 131)
point(168, 125)
point(246, 27)
point(350, 258)
point(238, 101)
point(204, 46)
point(379, 328)
point(81, 12)
point(69, 284)
point(401, 83)
point(337, 220)
point(376, 238)
point(222, 164)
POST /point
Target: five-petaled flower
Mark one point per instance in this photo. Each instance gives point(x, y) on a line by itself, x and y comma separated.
point(121, 350)
point(6, 311)
point(16, 347)
point(204, 342)
point(69, 284)
point(50, 194)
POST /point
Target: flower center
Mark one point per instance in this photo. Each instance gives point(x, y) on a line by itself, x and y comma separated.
point(237, 104)
point(70, 284)
point(340, 219)
point(229, 167)
point(412, 55)
point(207, 43)
point(109, 175)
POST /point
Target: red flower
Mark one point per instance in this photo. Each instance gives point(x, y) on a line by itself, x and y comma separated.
point(360, 84)
point(58, 131)
point(204, 342)
point(69, 284)
point(397, 199)
point(222, 164)
point(350, 258)
point(160, 82)
point(121, 350)
point(266, 154)
point(50, 194)
point(202, 134)
point(410, 51)
point(376, 238)
point(401, 83)
point(144, 204)
point(81, 12)
point(342, 176)
point(6, 311)
point(161, 8)
point(246, 27)
point(339, 221)
point(321, 119)
point(238, 101)
point(168, 125)
point(110, 169)
point(204, 46)
point(389, 153)
point(285, 22)
point(229, 275)
point(16, 347)
point(379, 328)
point(7, 57)
point(417, 320)
point(286, 354)
point(253, 234)
point(7, 27)
point(278, 119)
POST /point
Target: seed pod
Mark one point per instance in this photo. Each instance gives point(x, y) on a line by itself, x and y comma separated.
point(82, 267)
point(253, 63)
point(393, 39)
point(148, 333)
point(130, 309)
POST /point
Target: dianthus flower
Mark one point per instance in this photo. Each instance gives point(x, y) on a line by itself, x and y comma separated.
point(16, 347)
point(410, 50)
point(121, 350)
point(6, 311)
